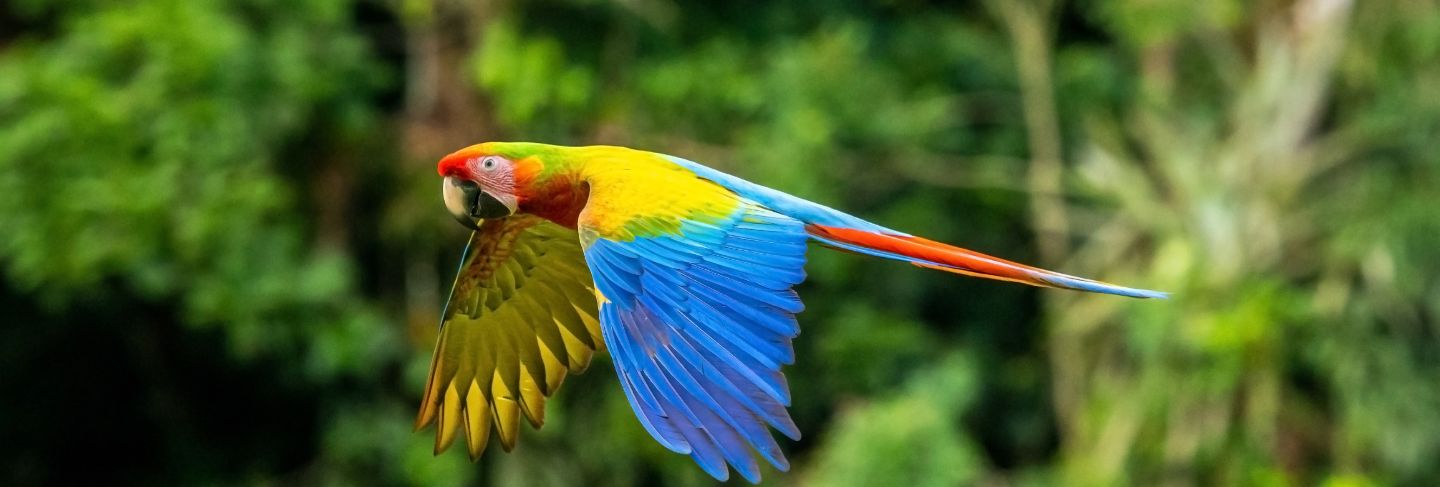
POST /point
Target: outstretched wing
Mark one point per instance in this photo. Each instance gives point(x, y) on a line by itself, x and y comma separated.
point(698, 312)
point(521, 314)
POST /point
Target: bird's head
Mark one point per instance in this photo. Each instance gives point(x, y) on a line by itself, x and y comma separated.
point(479, 184)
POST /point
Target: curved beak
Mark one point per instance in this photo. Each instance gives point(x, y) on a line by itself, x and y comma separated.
point(471, 205)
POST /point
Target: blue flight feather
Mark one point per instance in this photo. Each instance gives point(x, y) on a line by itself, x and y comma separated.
point(699, 324)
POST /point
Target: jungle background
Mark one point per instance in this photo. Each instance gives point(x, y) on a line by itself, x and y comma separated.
point(224, 251)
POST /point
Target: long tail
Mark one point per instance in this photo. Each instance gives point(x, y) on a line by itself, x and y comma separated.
point(936, 255)
point(847, 232)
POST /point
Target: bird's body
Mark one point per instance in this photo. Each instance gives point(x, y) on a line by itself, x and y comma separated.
point(683, 272)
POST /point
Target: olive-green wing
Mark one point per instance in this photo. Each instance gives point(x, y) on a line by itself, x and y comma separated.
point(521, 314)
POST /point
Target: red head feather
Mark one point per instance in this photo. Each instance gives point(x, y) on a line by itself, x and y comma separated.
point(455, 163)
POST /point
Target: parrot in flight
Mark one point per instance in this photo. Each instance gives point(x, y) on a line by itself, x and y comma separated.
point(684, 273)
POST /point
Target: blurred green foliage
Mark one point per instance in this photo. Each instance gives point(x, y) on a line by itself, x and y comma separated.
point(223, 253)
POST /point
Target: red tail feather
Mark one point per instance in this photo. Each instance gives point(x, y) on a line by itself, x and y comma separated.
point(935, 255)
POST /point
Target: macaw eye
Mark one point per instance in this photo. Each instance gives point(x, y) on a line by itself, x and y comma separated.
point(488, 163)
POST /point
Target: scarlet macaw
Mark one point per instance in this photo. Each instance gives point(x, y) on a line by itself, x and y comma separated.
point(684, 272)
